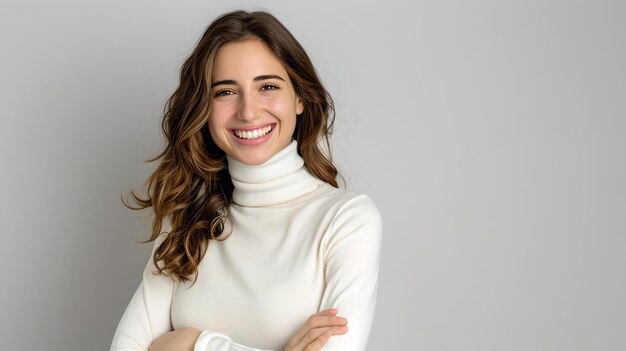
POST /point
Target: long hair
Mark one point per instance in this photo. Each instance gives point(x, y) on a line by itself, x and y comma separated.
point(191, 187)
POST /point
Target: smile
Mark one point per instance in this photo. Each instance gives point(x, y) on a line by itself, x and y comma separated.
point(252, 134)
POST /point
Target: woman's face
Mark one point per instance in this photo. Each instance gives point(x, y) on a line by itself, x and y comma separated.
point(254, 107)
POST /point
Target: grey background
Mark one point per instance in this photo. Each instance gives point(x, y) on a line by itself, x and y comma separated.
point(491, 134)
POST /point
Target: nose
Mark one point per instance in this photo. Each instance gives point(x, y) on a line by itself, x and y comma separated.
point(249, 108)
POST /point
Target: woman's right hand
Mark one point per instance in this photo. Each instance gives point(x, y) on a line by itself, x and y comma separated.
point(317, 331)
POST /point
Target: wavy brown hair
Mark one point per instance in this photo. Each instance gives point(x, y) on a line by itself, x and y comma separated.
point(191, 187)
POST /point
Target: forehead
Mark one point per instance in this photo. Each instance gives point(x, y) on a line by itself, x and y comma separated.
point(245, 59)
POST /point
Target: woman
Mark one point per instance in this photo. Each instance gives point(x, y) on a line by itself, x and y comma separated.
point(255, 246)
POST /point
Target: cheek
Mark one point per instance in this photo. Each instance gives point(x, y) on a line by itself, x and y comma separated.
point(216, 123)
point(218, 116)
point(284, 110)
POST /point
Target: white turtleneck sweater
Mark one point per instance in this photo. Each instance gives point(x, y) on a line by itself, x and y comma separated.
point(298, 246)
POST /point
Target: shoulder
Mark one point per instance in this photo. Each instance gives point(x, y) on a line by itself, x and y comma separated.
point(348, 201)
point(355, 231)
point(355, 212)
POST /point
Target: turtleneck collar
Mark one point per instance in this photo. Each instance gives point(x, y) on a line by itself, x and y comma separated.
point(281, 179)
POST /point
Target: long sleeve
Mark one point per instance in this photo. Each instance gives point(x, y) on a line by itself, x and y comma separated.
point(148, 313)
point(148, 316)
point(353, 252)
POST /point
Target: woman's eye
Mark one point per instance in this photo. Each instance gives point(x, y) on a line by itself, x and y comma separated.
point(269, 87)
point(223, 92)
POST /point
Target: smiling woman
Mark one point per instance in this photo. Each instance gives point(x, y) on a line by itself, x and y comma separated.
point(254, 109)
point(254, 244)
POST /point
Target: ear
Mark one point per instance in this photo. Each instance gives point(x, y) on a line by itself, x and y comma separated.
point(299, 106)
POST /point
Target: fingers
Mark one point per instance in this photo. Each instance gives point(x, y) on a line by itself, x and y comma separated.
point(319, 342)
point(326, 318)
point(321, 319)
point(315, 338)
point(317, 330)
point(328, 312)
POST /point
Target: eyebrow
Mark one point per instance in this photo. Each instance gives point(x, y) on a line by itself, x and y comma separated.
point(256, 79)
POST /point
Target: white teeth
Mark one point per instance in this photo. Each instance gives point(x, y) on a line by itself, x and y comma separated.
point(253, 134)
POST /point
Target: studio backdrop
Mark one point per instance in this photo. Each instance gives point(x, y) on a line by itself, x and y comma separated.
point(490, 134)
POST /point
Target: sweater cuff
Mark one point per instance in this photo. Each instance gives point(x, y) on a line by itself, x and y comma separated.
point(205, 338)
point(214, 341)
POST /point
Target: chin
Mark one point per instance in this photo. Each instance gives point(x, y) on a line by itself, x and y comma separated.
point(257, 155)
